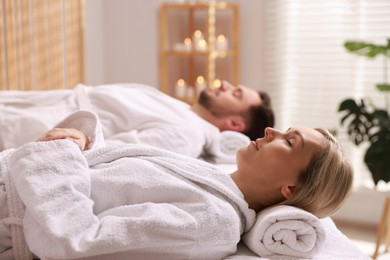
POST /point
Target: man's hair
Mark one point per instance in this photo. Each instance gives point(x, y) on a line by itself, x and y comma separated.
point(259, 117)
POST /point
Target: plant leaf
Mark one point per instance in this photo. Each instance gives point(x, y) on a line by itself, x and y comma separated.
point(377, 160)
point(370, 125)
point(367, 49)
point(359, 121)
point(383, 87)
point(348, 104)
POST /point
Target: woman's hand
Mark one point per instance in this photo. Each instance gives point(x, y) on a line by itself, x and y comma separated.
point(74, 135)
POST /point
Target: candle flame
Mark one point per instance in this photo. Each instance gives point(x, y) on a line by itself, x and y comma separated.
point(198, 33)
point(202, 43)
point(221, 38)
point(187, 41)
point(181, 82)
point(217, 83)
point(200, 79)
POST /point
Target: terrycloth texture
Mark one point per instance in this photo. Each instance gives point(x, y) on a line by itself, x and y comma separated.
point(225, 150)
point(337, 247)
point(126, 202)
point(88, 123)
point(286, 232)
point(15, 209)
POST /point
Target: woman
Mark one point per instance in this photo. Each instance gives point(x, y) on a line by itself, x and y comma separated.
point(140, 202)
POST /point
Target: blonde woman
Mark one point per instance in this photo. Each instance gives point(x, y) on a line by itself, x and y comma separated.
point(302, 167)
point(141, 202)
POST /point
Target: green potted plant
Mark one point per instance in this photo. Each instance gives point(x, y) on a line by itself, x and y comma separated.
point(366, 122)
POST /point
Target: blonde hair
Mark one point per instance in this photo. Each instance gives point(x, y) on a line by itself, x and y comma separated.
point(323, 186)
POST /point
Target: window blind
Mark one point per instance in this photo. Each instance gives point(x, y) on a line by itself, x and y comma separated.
point(41, 44)
point(308, 72)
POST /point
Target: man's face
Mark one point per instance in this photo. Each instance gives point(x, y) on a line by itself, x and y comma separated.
point(229, 99)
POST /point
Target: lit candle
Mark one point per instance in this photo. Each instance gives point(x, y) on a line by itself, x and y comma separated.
point(197, 36)
point(200, 84)
point(180, 89)
point(200, 43)
point(187, 44)
point(217, 83)
point(222, 43)
point(183, 46)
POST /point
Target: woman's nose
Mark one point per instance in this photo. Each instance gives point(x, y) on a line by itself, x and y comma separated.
point(270, 133)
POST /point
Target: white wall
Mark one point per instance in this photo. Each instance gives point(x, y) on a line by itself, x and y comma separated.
point(121, 43)
point(94, 42)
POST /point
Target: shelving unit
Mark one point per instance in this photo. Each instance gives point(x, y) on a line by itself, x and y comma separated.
point(183, 56)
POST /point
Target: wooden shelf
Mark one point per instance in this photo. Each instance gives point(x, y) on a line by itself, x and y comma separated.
point(179, 21)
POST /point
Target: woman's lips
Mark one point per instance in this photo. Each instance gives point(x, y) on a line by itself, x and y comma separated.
point(255, 145)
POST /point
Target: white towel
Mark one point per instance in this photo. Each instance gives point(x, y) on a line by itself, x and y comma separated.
point(286, 232)
point(225, 150)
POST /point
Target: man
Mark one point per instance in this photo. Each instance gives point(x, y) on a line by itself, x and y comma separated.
point(135, 113)
point(236, 108)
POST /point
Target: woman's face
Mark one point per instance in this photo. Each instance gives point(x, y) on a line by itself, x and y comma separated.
point(278, 158)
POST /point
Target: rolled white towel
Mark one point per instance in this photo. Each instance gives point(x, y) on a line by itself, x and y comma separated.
point(225, 150)
point(285, 232)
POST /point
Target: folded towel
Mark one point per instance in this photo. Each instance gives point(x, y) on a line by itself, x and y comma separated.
point(225, 150)
point(285, 232)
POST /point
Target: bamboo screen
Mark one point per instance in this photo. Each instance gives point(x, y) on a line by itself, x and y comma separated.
point(41, 44)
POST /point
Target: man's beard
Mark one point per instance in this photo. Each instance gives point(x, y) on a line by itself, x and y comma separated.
point(207, 102)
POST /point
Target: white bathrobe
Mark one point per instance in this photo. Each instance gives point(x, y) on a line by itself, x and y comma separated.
point(125, 202)
point(130, 113)
point(130, 201)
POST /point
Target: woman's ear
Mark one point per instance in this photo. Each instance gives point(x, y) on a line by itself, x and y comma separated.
point(287, 191)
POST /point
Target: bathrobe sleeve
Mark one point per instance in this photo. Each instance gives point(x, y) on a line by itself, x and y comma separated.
point(54, 182)
point(183, 140)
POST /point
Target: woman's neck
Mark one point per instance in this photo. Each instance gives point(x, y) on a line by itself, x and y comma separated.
point(256, 200)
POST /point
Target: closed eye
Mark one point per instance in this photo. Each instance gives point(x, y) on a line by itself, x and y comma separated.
point(298, 134)
point(237, 93)
point(289, 142)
